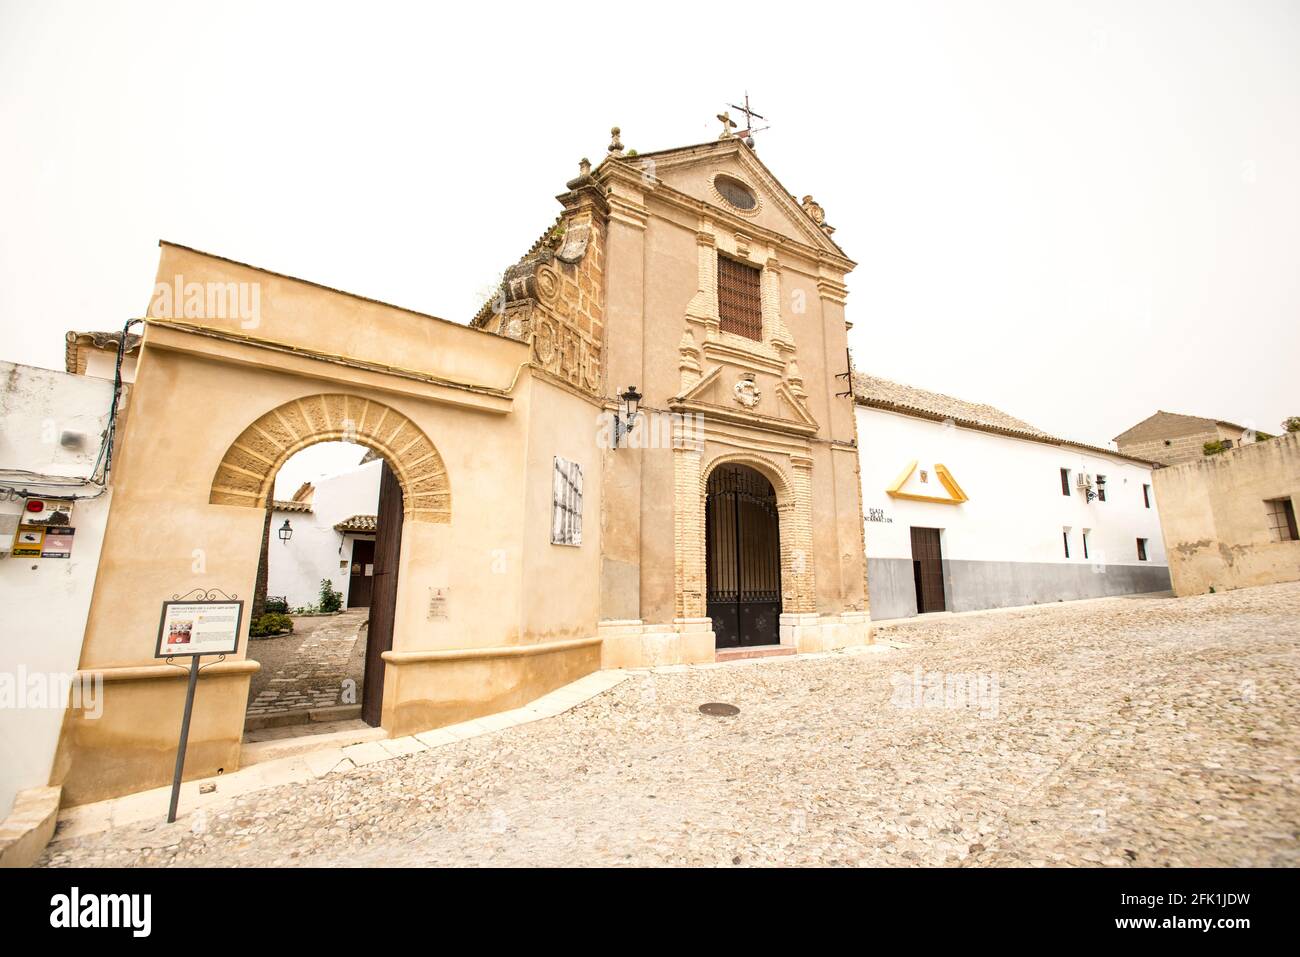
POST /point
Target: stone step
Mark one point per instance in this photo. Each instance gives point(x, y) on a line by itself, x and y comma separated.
point(753, 651)
point(280, 719)
point(338, 734)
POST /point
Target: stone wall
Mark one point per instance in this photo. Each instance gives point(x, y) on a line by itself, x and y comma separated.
point(1215, 519)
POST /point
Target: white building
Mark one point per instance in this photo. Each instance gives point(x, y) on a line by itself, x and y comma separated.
point(966, 507)
point(333, 537)
point(51, 431)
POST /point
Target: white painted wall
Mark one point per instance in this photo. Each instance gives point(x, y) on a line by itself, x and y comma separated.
point(102, 364)
point(45, 600)
point(316, 550)
point(1016, 511)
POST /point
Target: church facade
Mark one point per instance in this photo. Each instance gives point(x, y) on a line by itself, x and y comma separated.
point(642, 451)
point(694, 276)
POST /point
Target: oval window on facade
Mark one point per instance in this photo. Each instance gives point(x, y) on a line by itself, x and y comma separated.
point(735, 192)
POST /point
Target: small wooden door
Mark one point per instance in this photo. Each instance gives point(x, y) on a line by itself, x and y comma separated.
point(383, 594)
point(927, 569)
point(362, 574)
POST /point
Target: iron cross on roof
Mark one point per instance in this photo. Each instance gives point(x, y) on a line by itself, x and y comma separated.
point(750, 116)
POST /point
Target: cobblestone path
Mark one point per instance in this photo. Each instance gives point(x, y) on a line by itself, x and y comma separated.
point(1120, 732)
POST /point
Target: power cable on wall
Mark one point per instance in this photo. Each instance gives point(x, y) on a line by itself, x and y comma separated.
point(103, 463)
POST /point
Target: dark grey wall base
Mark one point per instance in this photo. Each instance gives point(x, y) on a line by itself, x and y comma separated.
point(970, 586)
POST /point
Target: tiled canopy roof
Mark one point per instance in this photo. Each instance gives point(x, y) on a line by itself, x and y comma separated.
point(357, 523)
point(886, 393)
point(879, 393)
point(284, 505)
point(98, 340)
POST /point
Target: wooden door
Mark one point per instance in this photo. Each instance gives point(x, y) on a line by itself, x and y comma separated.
point(383, 594)
point(362, 576)
point(927, 569)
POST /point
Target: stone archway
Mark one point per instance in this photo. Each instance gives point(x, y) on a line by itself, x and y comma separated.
point(246, 475)
point(793, 487)
point(743, 557)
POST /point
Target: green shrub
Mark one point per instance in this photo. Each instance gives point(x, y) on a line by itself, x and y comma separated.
point(272, 623)
point(277, 605)
point(330, 600)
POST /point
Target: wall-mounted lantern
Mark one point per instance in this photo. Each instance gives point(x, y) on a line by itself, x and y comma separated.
point(285, 532)
point(625, 421)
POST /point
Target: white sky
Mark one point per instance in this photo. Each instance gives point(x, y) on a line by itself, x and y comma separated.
point(1079, 213)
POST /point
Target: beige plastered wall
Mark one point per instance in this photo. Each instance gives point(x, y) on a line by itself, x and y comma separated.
point(200, 384)
point(1214, 518)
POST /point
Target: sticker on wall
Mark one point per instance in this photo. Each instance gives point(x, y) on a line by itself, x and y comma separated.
point(28, 541)
point(955, 494)
point(58, 542)
point(45, 511)
point(438, 604)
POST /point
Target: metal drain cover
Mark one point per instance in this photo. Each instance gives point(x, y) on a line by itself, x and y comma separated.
point(719, 709)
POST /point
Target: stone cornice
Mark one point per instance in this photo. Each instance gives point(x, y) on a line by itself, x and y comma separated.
point(832, 289)
point(622, 210)
point(761, 423)
point(177, 336)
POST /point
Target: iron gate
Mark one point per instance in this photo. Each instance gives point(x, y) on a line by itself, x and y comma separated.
point(743, 544)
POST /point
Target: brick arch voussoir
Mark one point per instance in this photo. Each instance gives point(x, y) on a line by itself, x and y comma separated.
point(768, 468)
point(246, 475)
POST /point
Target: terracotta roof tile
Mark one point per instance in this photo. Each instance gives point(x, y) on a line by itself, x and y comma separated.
point(357, 523)
point(875, 392)
point(886, 392)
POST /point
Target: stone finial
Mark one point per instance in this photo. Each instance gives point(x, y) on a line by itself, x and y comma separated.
point(814, 211)
point(584, 167)
point(615, 144)
point(728, 124)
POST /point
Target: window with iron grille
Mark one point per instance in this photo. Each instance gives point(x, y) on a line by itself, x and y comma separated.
point(1281, 520)
point(566, 503)
point(740, 299)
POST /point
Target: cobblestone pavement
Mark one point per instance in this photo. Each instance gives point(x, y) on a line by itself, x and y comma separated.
point(1120, 732)
point(306, 669)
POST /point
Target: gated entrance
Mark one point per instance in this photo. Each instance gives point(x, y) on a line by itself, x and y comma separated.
point(743, 544)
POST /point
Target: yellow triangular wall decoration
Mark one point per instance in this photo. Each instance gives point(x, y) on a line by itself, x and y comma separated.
point(945, 477)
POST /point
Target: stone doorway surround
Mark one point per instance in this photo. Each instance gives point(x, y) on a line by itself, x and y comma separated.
point(689, 638)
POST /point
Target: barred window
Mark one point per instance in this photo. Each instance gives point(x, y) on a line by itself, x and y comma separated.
point(566, 503)
point(1281, 520)
point(740, 300)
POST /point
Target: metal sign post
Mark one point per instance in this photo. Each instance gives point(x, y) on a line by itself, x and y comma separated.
point(207, 624)
point(185, 738)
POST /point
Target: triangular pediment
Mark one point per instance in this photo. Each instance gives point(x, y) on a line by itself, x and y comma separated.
point(927, 483)
point(693, 171)
point(741, 396)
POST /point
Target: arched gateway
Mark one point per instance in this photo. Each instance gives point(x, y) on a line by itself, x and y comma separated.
point(247, 471)
point(743, 541)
